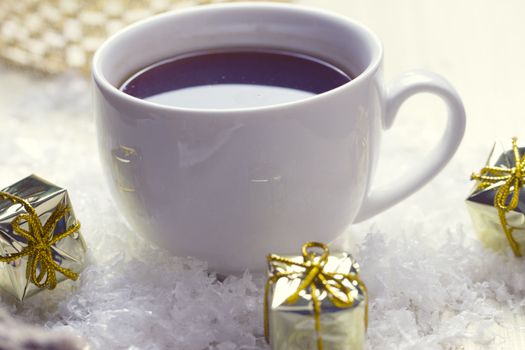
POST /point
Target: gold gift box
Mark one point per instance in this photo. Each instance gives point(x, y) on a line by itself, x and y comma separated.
point(292, 324)
point(53, 262)
point(497, 179)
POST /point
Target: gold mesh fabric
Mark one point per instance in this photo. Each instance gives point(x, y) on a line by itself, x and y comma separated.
point(51, 36)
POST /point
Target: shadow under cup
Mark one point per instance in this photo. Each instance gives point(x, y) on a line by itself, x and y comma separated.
point(231, 186)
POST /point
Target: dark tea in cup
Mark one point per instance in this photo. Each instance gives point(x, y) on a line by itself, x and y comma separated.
point(234, 79)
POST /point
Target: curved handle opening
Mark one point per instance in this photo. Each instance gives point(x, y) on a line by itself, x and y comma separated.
point(402, 88)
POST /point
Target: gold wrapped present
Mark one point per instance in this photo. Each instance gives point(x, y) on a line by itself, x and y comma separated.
point(315, 301)
point(40, 241)
point(497, 202)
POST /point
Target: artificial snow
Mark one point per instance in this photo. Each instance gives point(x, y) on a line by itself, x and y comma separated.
point(432, 284)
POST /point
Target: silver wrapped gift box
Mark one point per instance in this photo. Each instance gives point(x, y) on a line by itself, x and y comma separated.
point(40, 241)
point(290, 310)
point(503, 224)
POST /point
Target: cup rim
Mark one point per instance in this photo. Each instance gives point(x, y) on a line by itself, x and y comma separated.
point(104, 84)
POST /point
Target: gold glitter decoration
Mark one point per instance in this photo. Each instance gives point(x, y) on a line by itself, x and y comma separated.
point(52, 36)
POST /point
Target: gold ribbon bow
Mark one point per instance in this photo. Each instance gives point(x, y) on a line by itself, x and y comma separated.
point(40, 240)
point(314, 276)
point(513, 179)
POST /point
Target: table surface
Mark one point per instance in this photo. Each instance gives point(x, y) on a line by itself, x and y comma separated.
point(476, 46)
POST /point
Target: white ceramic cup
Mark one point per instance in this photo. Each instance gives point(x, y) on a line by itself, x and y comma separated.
point(230, 186)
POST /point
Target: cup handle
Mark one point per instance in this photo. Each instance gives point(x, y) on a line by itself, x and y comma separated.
point(408, 84)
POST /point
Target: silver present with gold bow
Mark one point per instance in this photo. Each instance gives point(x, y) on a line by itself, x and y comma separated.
point(40, 240)
point(497, 201)
point(315, 301)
